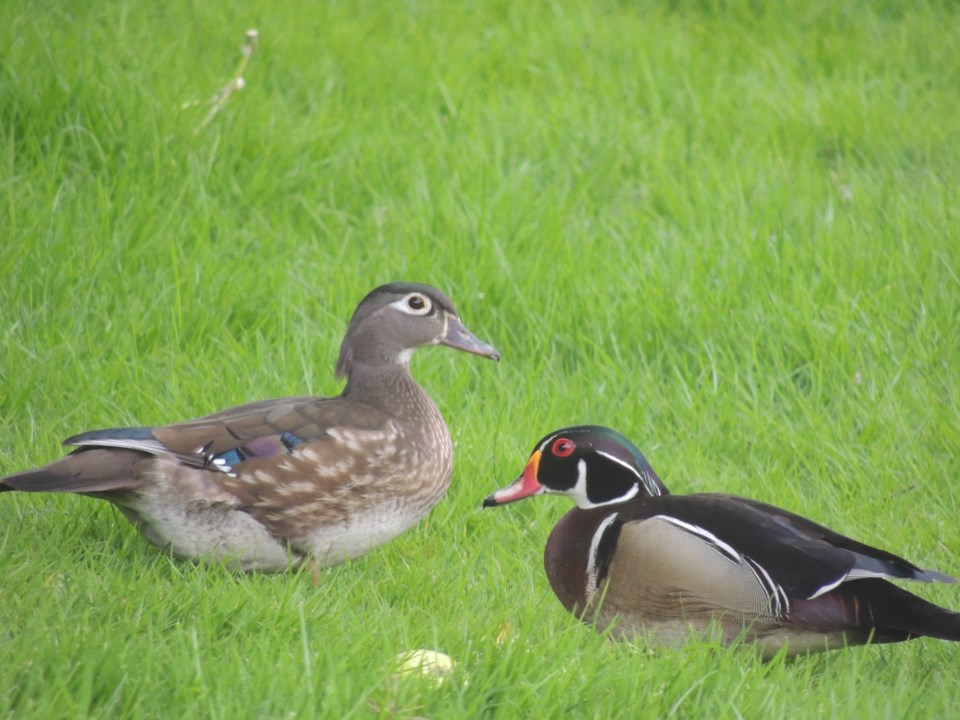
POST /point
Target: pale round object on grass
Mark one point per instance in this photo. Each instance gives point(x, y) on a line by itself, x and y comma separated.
point(423, 664)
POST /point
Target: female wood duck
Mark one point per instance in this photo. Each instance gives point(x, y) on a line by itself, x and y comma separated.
point(263, 485)
point(635, 557)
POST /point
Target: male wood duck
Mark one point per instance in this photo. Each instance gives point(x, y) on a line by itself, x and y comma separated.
point(632, 557)
point(261, 486)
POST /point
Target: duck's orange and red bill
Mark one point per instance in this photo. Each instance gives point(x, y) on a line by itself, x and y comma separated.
point(524, 486)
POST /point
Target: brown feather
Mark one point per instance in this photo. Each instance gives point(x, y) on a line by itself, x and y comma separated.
point(88, 471)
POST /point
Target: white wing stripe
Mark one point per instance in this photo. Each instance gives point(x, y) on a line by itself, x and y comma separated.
point(723, 547)
point(855, 574)
point(779, 603)
point(828, 587)
point(154, 447)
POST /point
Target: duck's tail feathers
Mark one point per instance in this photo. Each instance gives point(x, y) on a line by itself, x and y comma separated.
point(91, 470)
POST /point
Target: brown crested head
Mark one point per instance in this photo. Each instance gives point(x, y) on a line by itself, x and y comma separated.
point(394, 319)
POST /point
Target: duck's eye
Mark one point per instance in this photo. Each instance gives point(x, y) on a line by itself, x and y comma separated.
point(562, 447)
point(414, 304)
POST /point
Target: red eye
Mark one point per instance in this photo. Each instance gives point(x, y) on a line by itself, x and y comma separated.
point(562, 447)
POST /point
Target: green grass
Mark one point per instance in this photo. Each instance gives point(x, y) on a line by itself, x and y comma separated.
point(730, 232)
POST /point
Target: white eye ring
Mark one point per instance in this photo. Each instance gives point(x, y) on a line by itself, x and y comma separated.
point(414, 304)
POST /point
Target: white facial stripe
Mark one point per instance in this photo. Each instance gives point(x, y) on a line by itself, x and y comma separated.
point(617, 460)
point(587, 503)
point(651, 488)
point(403, 305)
point(592, 557)
point(542, 447)
point(579, 493)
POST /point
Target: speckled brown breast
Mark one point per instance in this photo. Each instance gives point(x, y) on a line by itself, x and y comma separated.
point(357, 488)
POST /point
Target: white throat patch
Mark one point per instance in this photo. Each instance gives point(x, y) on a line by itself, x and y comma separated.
point(579, 491)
